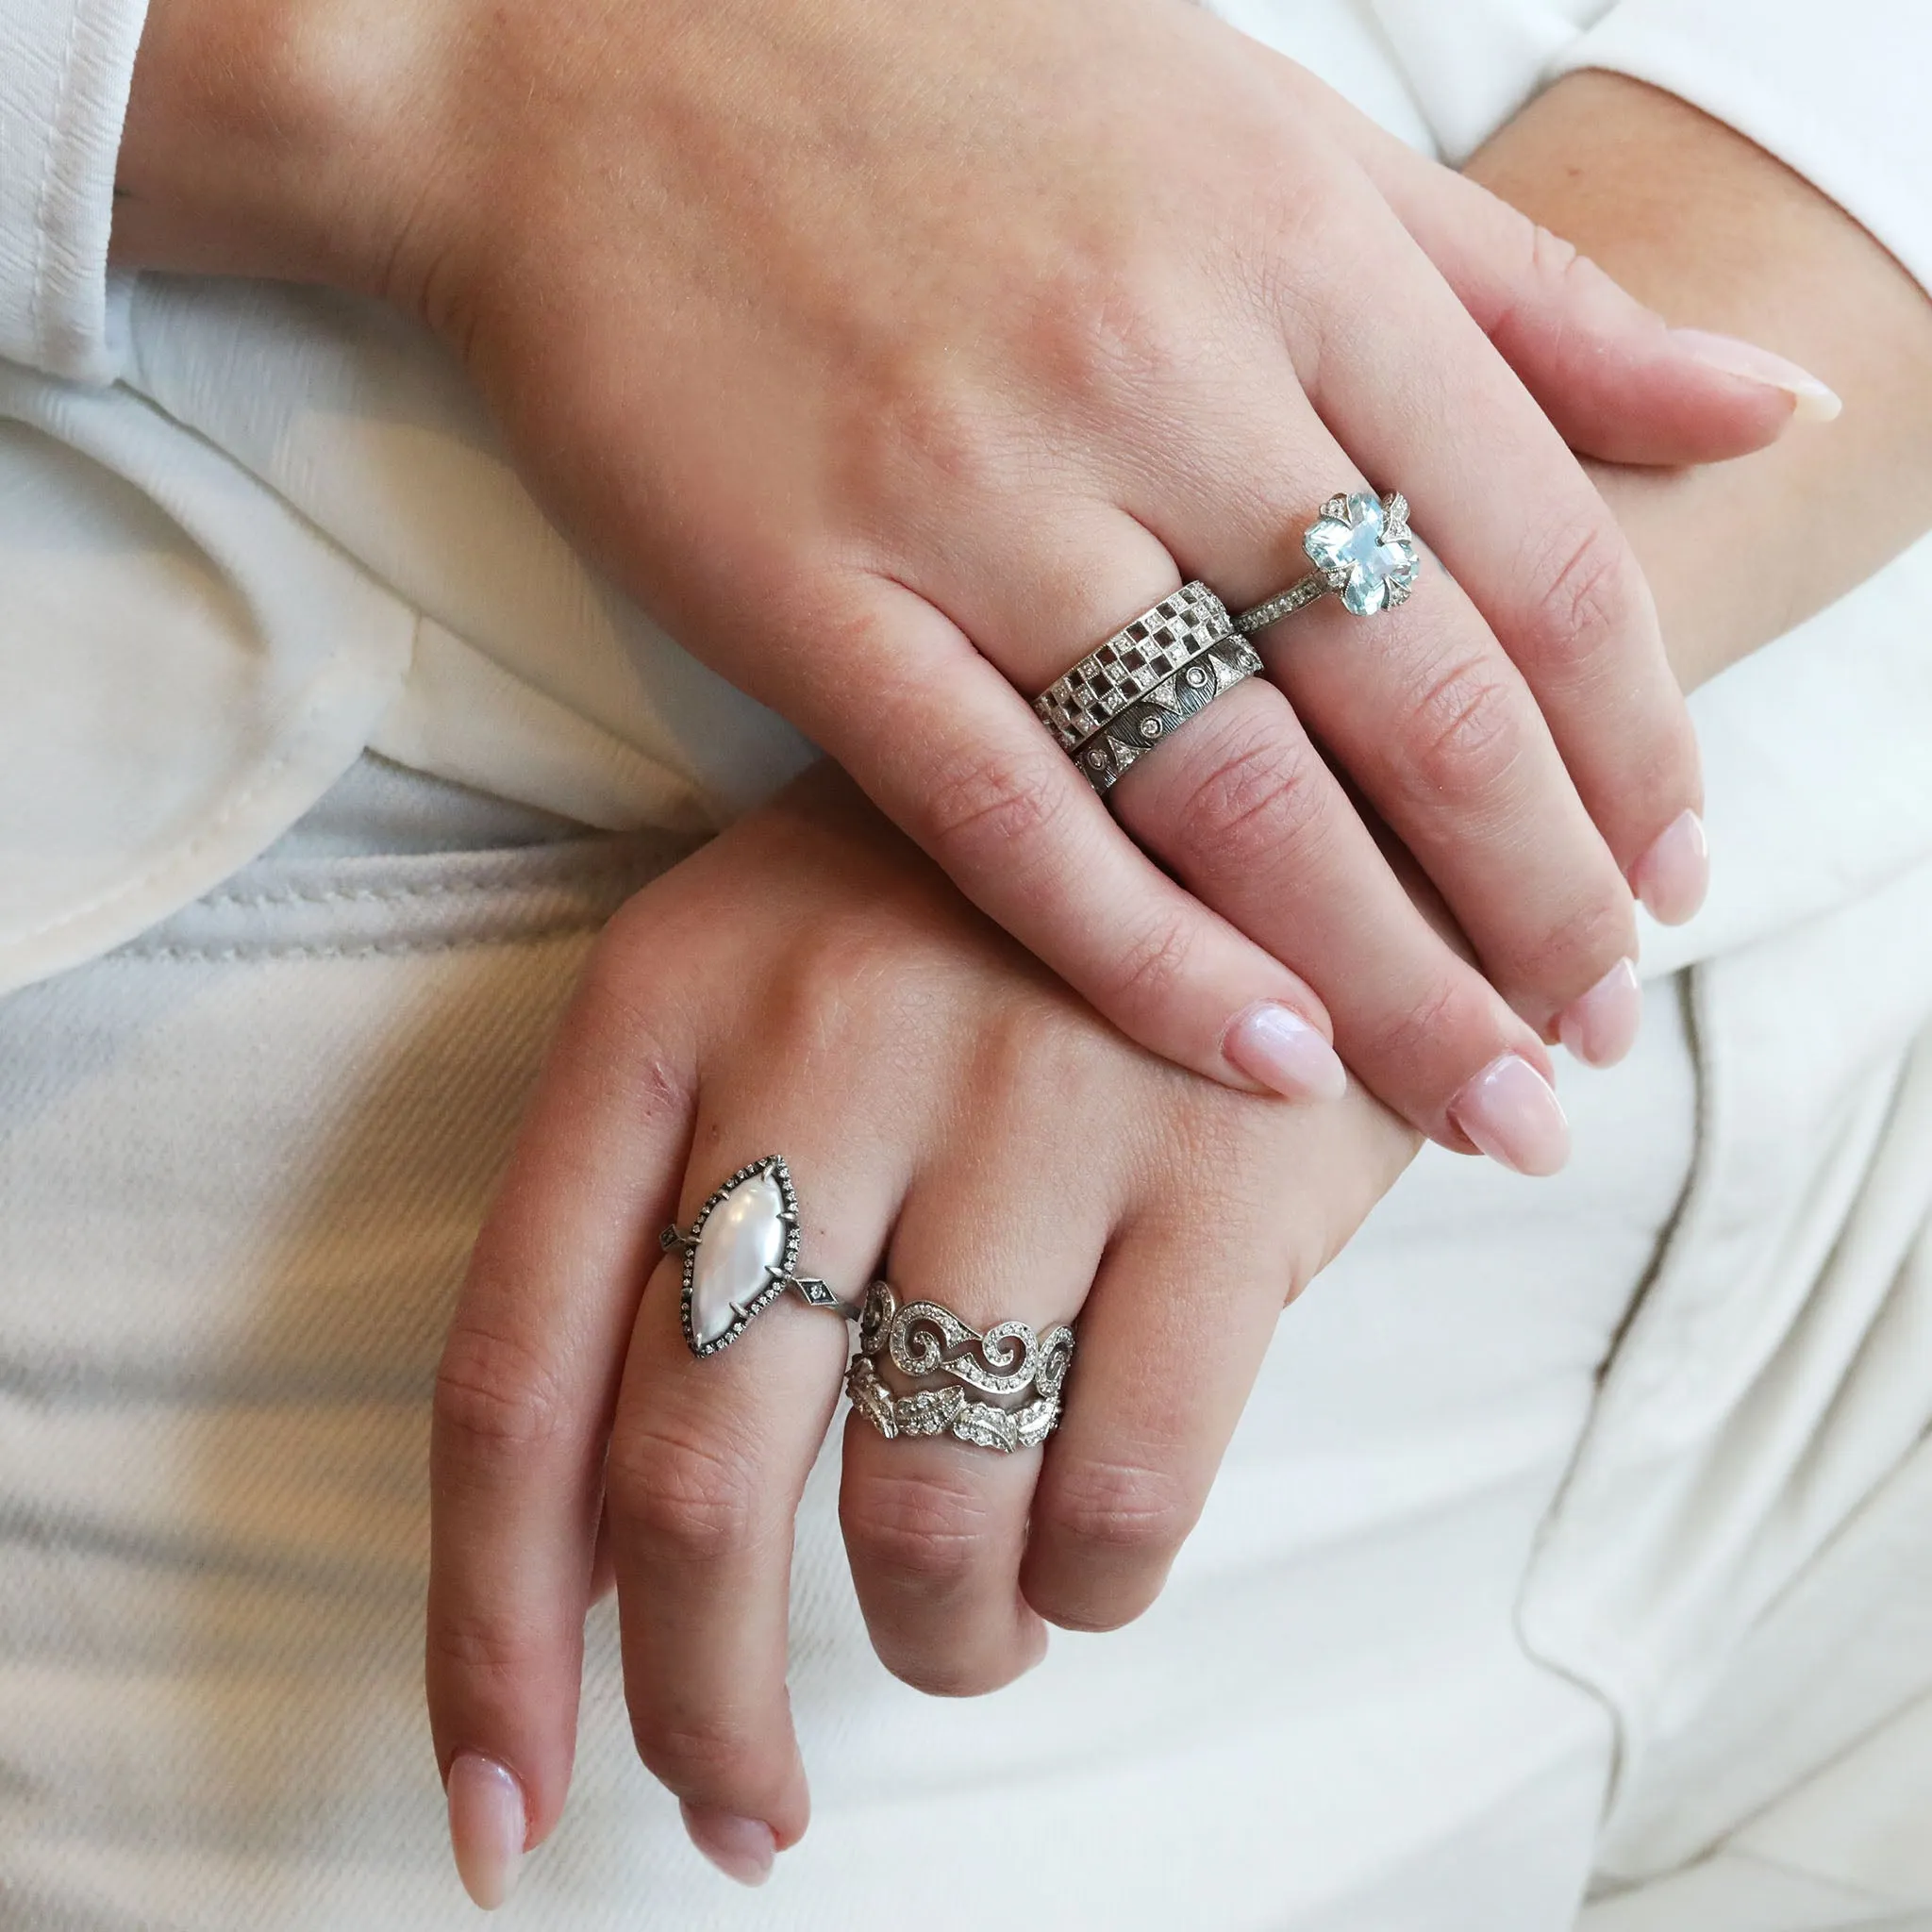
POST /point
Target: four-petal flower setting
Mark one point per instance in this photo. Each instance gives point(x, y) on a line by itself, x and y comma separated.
point(1362, 548)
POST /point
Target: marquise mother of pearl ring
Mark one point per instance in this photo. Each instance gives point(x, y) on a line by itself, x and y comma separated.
point(742, 1254)
point(960, 1368)
point(1362, 550)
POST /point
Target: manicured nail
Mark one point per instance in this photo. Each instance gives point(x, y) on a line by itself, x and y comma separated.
point(1674, 875)
point(1278, 1047)
point(1511, 1111)
point(1812, 401)
point(487, 1827)
point(1600, 1027)
point(742, 1848)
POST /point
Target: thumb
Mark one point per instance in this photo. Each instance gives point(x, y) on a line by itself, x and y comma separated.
point(1615, 379)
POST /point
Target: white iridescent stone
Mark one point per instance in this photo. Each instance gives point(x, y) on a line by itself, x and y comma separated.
point(1353, 548)
point(742, 1241)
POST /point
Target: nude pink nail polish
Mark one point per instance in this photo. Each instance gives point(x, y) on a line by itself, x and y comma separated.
point(1811, 400)
point(1511, 1112)
point(742, 1848)
point(486, 1827)
point(1600, 1027)
point(1674, 875)
point(1275, 1045)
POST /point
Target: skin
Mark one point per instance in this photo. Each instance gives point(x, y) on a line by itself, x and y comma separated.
point(945, 1101)
point(881, 354)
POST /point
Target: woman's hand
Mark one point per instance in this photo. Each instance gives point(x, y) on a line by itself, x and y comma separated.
point(954, 1119)
point(895, 356)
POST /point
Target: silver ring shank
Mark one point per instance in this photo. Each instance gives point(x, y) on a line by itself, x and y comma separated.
point(1283, 604)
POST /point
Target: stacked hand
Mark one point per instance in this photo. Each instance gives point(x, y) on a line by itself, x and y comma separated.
point(896, 356)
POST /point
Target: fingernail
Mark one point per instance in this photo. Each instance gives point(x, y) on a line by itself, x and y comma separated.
point(1511, 1111)
point(1600, 1027)
point(1812, 401)
point(487, 1827)
point(742, 1848)
point(1674, 875)
point(1276, 1046)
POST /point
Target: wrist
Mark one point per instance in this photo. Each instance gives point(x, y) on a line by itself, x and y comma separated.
point(287, 139)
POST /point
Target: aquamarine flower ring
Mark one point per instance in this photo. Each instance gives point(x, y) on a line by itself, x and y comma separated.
point(1362, 549)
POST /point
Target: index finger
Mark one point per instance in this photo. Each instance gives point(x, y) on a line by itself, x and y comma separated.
point(523, 1398)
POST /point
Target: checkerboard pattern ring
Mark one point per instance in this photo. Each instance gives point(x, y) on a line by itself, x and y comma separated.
point(1131, 662)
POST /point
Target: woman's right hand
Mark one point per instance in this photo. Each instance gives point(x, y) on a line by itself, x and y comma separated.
point(895, 356)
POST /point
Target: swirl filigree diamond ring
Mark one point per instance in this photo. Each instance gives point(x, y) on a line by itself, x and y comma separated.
point(1362, 550)
point(928, 1343)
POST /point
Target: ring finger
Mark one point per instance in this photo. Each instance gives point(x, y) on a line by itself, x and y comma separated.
point(936, 1528)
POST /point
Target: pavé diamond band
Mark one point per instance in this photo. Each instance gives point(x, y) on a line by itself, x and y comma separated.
point(1145, 682)
point(742, 1254)
point(1362, 549)
point(997, 1388)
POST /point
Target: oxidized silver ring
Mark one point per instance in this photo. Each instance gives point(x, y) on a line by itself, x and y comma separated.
point(742, 1254)
point(927, 1342)
point(1362, 549)
point(1145, 682)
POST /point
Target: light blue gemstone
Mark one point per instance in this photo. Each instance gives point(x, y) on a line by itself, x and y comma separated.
point(1356, 546)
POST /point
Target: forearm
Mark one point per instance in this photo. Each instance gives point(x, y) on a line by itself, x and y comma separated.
point(1716, 234)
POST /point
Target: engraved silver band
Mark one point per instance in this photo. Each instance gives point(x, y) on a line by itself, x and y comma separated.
point(1362, 549)
point(1135, 732)
point(927, 1343)
point(1131, 664)
point(752, 1219)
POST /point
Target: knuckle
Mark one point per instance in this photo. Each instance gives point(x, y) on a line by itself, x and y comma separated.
point(679, 1498)
point(706, 1761)
point(994, 812)
point(1151, 968)
point(496, 1398)
point(1588, 595)
point(914, 1532)
point(1261, 797)
point(1428, 1029)
point(1466, 729)
point(1575, 950)
point(484, 1650)
point(1117, 1509)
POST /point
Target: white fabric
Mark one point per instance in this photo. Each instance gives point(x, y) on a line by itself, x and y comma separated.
point(241, 1164)
point(1389, 1687)
point(1490, 1600)
point(65, 69)
point(519, 670)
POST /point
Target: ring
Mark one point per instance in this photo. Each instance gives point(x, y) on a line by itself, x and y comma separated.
point(740, 1256)
point(926, 1342)
point(1362, 549)
point(1145, 682)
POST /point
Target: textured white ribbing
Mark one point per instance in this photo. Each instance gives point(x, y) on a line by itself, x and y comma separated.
point(65, 70)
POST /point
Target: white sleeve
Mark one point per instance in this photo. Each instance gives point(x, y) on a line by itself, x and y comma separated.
point(1842, 95)
point(65, 70)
